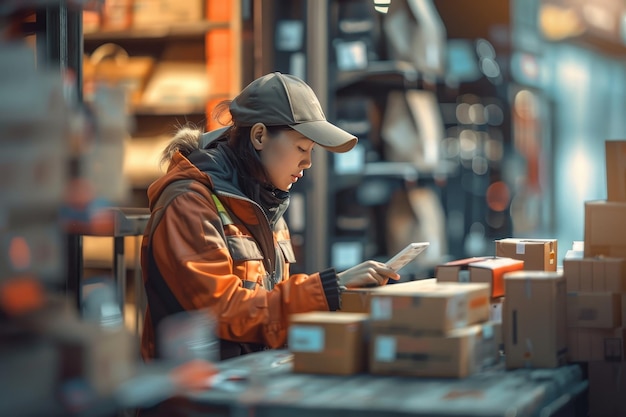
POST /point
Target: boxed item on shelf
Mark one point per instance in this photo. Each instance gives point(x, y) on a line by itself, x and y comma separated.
point(437, 308)
point(600, 310)
point(326, 342)
point(605, 229)
point(147, 13)
point(534, 319)
point(537, 254)
point(456, 354)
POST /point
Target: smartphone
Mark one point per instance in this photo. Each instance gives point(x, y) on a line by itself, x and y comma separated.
point(406, 255)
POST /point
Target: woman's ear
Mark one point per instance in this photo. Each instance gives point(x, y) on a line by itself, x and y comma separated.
point(258, 134)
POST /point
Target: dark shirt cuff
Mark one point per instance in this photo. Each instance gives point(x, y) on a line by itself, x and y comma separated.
point(330, 283)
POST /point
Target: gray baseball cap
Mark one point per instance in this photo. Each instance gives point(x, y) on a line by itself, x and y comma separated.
point(285, 100)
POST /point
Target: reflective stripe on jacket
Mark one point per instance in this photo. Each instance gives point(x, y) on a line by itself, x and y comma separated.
point(224, 268)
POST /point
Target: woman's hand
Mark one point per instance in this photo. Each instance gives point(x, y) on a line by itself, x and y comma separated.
point(367, 274)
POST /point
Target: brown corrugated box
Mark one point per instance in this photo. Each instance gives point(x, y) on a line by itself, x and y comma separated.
point(615, 169)
point(534, 319)
point(537, 254)
point(597, 274)
point(587, 345)
point(457, 270)
point(326, 342)
point(492, 270)
point(357, 300)
point(598, 310)
point(605, 229)
point(438, 308)
point(458, 354)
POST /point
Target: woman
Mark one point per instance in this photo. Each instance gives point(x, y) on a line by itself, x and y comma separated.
point(217, 239)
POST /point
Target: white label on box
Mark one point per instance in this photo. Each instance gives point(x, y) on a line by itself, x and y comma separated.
point(385, 349)
point(306, 338)
point(456, 310)
point(520, 248)
point(380, 308)
point(495, 314)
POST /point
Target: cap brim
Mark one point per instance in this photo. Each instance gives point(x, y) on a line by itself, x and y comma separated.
point(327, 135)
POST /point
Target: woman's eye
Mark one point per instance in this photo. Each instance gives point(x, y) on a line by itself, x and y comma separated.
point(301, 149)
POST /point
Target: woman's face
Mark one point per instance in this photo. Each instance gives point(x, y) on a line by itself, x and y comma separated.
point(285, 155)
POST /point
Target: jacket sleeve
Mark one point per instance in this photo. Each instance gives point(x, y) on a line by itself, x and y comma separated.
point(196, 265)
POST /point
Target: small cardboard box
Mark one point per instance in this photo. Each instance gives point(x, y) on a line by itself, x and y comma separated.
point(537, 254)
point(598, 310)
point(437, 308)
point(492, 271)
point(615, 170)
point(457, 354)
point(456, 271)
point(606, 389)
point(326, 342)
point(534, 319)
point(605, 229)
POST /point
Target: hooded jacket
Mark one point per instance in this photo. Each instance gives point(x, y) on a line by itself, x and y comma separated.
point(228, 256)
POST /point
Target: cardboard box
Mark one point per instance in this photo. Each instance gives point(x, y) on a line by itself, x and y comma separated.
point(534, 320)
point(537, 254)
point(587, 345)
point(606, 389)
point(615, 170)
point(605, 229)
point(457, 354)
point(437, 308)
point(594, 310)
point(492, 271)
point(327, 342)
point(456, 271)
point(357, 300)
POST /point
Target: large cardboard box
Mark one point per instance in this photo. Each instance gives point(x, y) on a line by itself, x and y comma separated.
point(457, 270)
point(615, 170)
point(598, 310)
point(457, 354)
point(597, 274)
point(437, 308)
point(586, 345)
point(492, 271)
point(606, 389)
point(605, 229)
point(537, 254)
point(326, 342)
point(534, 319)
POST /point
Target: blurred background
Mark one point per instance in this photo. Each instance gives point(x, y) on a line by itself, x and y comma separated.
point(478, 120)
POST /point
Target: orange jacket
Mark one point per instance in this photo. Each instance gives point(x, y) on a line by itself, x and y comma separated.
point(193, 259)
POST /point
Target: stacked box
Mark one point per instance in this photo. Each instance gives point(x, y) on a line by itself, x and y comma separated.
point(534, 319)
point(595, 308)
point(357, 300)
point(479, 269)
point(434, 330)
point(537, 254)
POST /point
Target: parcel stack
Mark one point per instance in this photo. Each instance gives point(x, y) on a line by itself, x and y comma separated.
point(596, 292)
point(431, 330)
